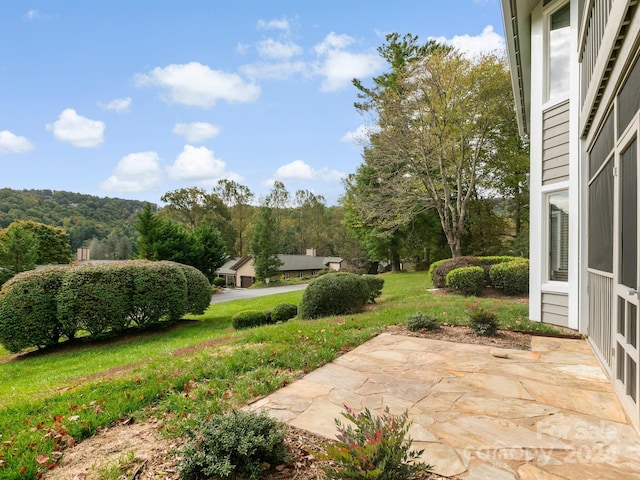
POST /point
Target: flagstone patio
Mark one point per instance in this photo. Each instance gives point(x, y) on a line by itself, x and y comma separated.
point(479, 412)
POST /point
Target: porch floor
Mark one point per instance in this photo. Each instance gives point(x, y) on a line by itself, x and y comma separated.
point(478, 412)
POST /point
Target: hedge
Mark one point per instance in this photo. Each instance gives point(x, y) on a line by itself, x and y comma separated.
point(334, 294)
point(511, 277)
point(248, 319)
point(40, 306)
point(283, 312)
point(28, 309)
point(468, 280)
point(375, 286)
point(441, 271)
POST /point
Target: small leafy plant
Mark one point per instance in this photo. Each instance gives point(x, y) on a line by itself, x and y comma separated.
point(232, 444)
point(483, 322)
point(420, 321)
point(377, 448)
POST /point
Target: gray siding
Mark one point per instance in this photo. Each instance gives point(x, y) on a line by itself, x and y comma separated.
point(555, 144)
point(555, 309)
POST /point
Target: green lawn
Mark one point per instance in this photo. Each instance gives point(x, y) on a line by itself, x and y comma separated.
point(48, 398)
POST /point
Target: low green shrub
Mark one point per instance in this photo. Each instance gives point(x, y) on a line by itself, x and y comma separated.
point(467, 280)
point(441, 271)
point(420, 321)
point(375, 286)
point(335, 294)
point(496, 259)
point(511, 277)
point(483, 322)
point(219, 282)
point(432, 269)
point(5, 274)
point(233, 445)
point(283, 312)
point(248, 319)
point(28, 313)
point(376, 447)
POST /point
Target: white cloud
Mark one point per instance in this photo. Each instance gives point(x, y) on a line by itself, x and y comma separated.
point(282, 24)
point(196, 131)
point(32, 13)
point(242, 48)
point(197, 85)
point(12, 143)
point(359, 136)
point(117, 105)
point(298, 170)
point(79, 131)
point(136, 172)
point(280, 70)
point(199, 164)
point(270, 48)
point(340, 66)
point(487, 42)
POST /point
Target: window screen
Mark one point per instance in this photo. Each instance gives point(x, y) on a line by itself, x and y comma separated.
point(629, 216)
point(629, 98)
point(602, 146)
point(601, 220)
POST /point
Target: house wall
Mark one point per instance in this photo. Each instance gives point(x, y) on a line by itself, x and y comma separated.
point(245, 270)
point(555, 144)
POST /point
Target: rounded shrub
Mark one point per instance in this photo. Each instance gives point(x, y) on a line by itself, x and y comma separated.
point(5, 274)
point(467, 280)
point(28, 314)
point(233, 445)
point(511, 277)
point(219, 282)
point(420, 321)
point(375, 285)
point(441, 271)
point(334, 294)
point(283, 312)
point(432, 268)
point(198, 289)
point(483, 322)
point(248, 319)
point(94, 298)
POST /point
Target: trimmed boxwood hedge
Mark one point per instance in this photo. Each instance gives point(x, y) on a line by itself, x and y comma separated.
point(468, 280)
point(334, 294)
point(40, 306)
point(441, 271)
point(28, 309)
point(248, 319)
point(375, 286)
point(511, 277)
point(283, 312)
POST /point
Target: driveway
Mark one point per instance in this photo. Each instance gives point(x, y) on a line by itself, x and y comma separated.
point(238, 293)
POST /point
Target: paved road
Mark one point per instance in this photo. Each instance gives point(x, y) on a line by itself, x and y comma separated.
point(237, 293)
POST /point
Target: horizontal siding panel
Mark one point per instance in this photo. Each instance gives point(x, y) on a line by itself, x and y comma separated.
point(556, 299)
point(557, 110)
point(555, 131)
point(555, 118)
point(556, 140)
point(553, 319)
point(555, 162)
point(555, 175)
point(554, 152)
point(555, 309)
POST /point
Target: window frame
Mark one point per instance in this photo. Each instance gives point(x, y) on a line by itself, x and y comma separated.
point(549, 10)
point(547, 244)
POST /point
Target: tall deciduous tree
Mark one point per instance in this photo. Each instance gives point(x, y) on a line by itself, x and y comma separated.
point(238, 199)
point(438, 121)
point(264, 245)
point(49, 244)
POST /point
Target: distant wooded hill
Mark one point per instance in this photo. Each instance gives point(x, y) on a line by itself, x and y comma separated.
point(83, 217)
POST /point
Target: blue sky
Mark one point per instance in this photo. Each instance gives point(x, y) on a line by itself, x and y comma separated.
point(134, 98)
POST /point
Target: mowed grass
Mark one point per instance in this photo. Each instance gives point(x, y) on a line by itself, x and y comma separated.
point(51, 399)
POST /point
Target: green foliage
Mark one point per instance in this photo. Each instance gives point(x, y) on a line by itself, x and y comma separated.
point(198, 289)
point(483, 322)
point(218, 282)
point(441, 271)
point(248, 319)
point(18, 250)
point(376, 447)
point(375, 285)
point(232, 444)
point(495, 259)
point(334, 294)
point(283, 312)
point(264, 245)
point(512, 277)
point(53, 242)
point(94, 298)
point(432, 268)
point(28, 316)
point(468, 280)
point(420, 321)
point(5, 274)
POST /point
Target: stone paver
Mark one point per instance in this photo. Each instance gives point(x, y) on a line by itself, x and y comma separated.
point(478, 412)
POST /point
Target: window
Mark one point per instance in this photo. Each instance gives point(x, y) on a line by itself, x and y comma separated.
point(300, 274)
point(559, 50)
point(558, 207)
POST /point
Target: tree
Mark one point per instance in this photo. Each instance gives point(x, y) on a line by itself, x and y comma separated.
point(264, 245)
point(191, 207)
point(238, 200)
point(18, 250)
point(208, 251)
point(438, 125)
point(311, 222)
